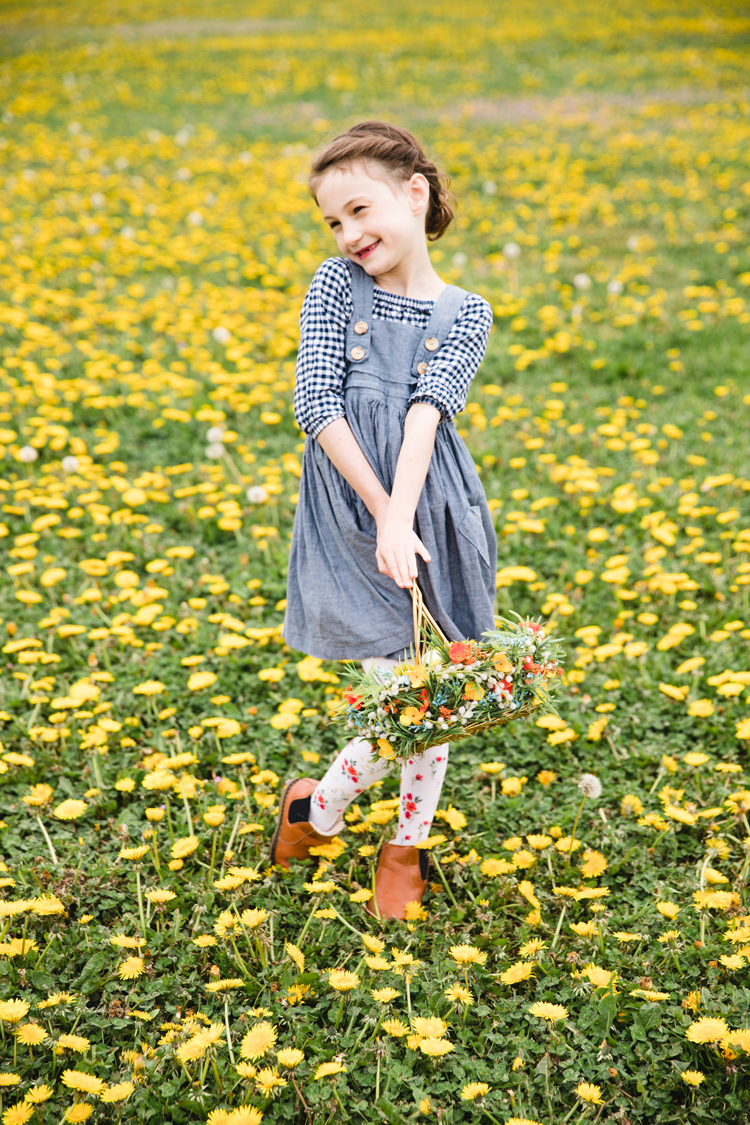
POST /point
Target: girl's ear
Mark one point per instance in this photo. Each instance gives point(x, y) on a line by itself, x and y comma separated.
point(419, 193)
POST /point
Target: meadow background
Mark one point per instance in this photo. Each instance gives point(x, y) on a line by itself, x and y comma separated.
point(578, 958)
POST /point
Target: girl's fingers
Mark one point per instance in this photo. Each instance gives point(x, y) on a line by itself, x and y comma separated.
point(420, 548)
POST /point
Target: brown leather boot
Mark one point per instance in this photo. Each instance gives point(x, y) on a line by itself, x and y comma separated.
point(401, 877)
point(294, 838)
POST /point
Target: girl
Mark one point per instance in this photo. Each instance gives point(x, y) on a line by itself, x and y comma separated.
point(389, 492)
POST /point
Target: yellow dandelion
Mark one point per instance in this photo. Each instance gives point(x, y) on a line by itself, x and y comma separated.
point(30, 1034)
point(118, 1093)
point(551, 1012)
point(131, 968)
point(693, 1077)
point(590, 1093)
point(38, 1094)
point(79, 1080)
point(342, 980)
point(12, 1011)
point(457, 994)
point(467, 955)
point(435, 1048)
point(253, 918)
point(707, 1030)
point(431, 1027)
point(396, 1028)
point(290, 1056)
point(70, 809)
point(326, 1069)
point(18, 1114)
point(258, 1040)
point(384, 995)
point(268, 1079)
point(226, 984)
point(76, 1043)
point(474, 1090)
point(521, 970)
point(78, 1113)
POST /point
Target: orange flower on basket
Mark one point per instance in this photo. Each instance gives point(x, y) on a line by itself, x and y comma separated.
point(460, 652)
point(354, 701)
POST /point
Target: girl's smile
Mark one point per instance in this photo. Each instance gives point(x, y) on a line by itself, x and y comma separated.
point(367, 250)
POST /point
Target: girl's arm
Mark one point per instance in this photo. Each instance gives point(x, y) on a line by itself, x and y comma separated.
point(398, 543)
point(342, 449)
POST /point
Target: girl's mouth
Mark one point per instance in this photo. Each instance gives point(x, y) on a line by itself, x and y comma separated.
point(365, 253)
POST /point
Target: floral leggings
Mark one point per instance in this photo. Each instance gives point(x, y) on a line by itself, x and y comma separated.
point(353, 772)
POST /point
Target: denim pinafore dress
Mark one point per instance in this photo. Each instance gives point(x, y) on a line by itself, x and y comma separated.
point(339, 605)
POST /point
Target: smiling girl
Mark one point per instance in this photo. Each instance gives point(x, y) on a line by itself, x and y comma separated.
point(389, 492)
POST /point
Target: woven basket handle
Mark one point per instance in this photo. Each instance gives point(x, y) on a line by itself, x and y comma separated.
point(422, 616)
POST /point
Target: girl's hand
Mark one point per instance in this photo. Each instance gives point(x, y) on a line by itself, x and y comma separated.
point(397, 550)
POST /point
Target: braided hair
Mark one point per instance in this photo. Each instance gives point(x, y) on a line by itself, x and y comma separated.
point(400, 153)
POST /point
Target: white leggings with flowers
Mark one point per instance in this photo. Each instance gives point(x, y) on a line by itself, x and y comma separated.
point(353, 772)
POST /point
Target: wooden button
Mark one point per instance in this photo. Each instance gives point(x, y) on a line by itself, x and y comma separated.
point(357, 352)
point(422, 368)
point(360, 327)
point(431, 344)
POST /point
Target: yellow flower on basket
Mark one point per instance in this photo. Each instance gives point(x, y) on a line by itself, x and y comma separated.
point(385, 748)
point(473, 691)
point(410, 716)
point(501, 664)
point(417, 674)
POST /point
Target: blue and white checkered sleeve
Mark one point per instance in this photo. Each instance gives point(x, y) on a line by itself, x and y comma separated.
point(321, 364)
point(446, 382)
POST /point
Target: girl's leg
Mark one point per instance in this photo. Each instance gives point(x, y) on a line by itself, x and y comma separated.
point(421, 781)
point(351, 773)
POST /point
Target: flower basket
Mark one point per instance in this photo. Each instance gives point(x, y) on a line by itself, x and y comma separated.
point(450, 690)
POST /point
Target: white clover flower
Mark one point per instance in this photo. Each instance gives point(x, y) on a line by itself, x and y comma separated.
point(511, 251)
point(590, 786)
point(215, 450)
point(69, 464)
point(460, 259)
point(221, 334)
point(489, 187)
point(27, 454)
point(215, 434)
point(582, 281)
point(195, 219)
point(615, 286)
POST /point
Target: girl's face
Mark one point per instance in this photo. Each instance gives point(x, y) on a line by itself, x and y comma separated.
point(377, 221)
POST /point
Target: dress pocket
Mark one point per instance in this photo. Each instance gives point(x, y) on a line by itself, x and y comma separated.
point(472, 528)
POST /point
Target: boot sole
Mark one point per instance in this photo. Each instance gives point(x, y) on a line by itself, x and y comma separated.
point(280, 820)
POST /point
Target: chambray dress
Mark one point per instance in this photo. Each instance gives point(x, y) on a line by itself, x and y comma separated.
point(339, 606)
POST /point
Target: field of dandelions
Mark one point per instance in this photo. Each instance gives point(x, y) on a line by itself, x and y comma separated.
point(582, 953)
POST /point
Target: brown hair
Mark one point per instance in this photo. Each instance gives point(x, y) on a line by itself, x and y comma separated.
point(400, 153)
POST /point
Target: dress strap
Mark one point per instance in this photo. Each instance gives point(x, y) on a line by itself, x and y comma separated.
point(443, 317)
point(359, 328)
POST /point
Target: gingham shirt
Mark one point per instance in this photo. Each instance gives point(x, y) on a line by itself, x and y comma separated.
point(321, 363)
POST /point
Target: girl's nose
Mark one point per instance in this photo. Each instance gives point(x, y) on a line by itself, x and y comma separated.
point(352, 235)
